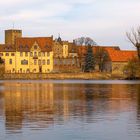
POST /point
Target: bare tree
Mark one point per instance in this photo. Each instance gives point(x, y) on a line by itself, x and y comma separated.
point(101, 57)
point(134, 38)
point(84, 41)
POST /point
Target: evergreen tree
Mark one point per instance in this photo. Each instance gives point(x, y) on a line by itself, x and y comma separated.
point(89, 60)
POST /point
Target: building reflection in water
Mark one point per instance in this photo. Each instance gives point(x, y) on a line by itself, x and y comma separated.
point(40, 105)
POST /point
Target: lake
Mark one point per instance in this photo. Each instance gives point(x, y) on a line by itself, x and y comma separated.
point(69, 110)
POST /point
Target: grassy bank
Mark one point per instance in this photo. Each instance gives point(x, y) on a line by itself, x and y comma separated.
point(60, 76)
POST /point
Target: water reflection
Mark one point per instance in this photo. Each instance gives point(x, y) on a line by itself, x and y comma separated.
point(138, 106)
point(37, 106)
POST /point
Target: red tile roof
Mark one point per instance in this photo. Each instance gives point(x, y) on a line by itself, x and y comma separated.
point(121, 56)
point(25, 44)
point(115, 54)
point(82, 50)
point(7, 48)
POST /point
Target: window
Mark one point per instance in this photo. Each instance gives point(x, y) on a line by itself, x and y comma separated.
point(26, 53)
point(35, 62)
point(12, 54)
point(24, 62)
point(1, 54)
point(43, 62)
point(39, 62)
point(64, 62)
point(48, 54)
point(21, 54)
point(68, 62)
point(73, 61)
point(61, 61)
point(10, 61)
point(31, 54)
point(7, 54)
point(27, 71)
point(39, 54)
point(43, 53)
point(3, 61)
point(55, 61)
point(35, 54)
point(48, 62)
point(34, 70)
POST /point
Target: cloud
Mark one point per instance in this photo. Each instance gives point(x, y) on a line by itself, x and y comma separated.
point(104, 20)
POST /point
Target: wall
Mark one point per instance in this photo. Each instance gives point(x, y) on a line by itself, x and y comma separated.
point(9, 68)
point(57, 49)
point(11, 35)
point(117, 67)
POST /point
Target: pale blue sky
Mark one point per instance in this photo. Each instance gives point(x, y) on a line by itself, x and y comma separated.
point(106, 21)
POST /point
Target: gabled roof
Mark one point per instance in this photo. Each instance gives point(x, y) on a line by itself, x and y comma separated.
point(26, 43)
point(121, 56)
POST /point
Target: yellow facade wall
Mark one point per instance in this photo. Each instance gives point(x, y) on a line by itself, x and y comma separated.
point(7, 57)
point(44, 62)
point(118, 67)
point(20, 68)
point(65, 50)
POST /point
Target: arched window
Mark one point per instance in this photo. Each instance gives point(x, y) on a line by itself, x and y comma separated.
point(48, 62)
point(35, 62)
point(27, 71)
point(10, 61)
point(43, 62)
point(31, 54)
point(35, 54)
point(39, 54)
point(39, 62)
point(43, 53)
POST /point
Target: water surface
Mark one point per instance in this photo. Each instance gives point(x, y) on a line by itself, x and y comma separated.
point(69, 110)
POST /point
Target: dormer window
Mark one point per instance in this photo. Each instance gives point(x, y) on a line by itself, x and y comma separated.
point(26, 46)
point(21, 46)
point(35, 47)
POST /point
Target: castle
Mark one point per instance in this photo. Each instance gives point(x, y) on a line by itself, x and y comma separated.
point(48, 55)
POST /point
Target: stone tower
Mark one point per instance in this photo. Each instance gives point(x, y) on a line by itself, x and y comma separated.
point(11, 35)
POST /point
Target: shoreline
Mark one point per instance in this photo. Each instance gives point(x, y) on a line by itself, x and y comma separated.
point(63, 76)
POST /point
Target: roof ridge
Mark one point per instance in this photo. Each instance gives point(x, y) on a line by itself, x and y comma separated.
point(33, 37)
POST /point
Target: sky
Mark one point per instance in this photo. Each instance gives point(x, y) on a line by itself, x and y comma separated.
point(105, 21)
